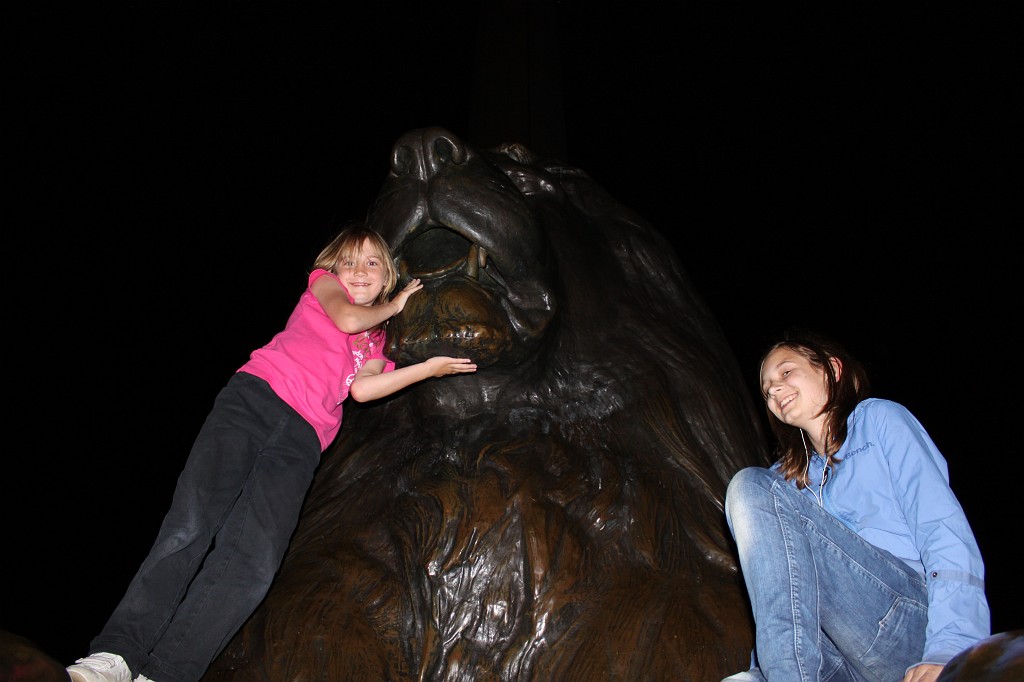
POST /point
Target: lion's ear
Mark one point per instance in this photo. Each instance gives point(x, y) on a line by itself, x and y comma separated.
point(517, 152)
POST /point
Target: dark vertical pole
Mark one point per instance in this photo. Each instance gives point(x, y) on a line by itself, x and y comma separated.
point(517, 89)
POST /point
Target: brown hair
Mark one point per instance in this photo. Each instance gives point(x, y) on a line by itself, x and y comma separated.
point(842, 393)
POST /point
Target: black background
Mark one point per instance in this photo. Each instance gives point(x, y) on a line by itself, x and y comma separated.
point(177, 167)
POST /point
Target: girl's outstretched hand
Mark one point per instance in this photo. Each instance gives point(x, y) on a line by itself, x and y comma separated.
point(402, 296)
point(440, 366)
point(923, 673)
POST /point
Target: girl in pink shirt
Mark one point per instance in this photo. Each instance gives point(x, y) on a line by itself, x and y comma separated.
point(238, 498)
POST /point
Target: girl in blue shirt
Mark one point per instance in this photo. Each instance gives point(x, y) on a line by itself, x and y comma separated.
point(857, 556)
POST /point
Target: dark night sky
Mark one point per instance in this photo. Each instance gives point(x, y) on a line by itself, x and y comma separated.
point(178, 169)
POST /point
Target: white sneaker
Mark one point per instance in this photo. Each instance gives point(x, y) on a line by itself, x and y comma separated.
point(101, 667)
point(752, 675)
point(142, 678)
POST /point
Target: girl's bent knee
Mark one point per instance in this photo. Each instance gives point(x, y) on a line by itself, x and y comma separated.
point(750, 477)
point(743, 486)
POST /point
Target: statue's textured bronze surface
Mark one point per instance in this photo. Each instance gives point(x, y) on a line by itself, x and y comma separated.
point(558, 514)
point(997, 658)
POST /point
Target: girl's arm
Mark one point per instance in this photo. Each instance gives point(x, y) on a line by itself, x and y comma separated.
point(372, 382)
point(351, 318)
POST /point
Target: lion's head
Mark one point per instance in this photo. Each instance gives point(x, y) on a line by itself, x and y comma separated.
point(558, 514)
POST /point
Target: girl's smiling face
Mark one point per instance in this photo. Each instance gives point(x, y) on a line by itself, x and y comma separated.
point(793, 388)
point(363, 273)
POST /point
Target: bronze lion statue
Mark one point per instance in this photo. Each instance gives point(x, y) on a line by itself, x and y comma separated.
point(558, 514)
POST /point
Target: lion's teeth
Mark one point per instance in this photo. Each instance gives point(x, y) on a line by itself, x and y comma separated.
point(470, 265)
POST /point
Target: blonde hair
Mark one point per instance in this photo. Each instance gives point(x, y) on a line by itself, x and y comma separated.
point(349, 242)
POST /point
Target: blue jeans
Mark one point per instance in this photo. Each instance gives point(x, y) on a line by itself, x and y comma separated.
point(234, 509)
point(827, 604)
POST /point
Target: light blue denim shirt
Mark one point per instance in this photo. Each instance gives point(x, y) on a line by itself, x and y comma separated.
point(891, 487)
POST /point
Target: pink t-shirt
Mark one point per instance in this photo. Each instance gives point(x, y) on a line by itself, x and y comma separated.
point(311, 363)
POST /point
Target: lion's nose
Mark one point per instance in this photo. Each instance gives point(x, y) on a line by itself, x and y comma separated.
point(425, 152)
